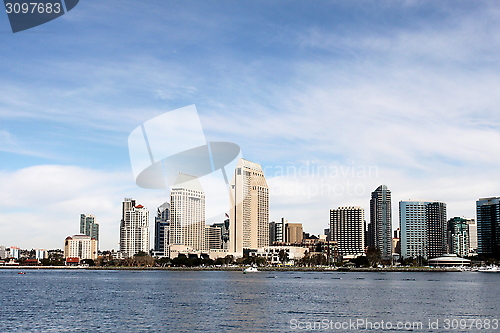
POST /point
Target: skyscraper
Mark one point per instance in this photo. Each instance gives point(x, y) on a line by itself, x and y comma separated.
point(249, 213)
point(347, 228)
point(380, 231)
point(134, 228)
point(423, 228)
point(89, 227)
point(162, 230)
point(458, 236)
point(488, 226)
point(187, 219)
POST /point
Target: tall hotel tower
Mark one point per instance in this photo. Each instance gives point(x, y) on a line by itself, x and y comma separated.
point(347, 227)
point(187, 214)
point(488, 226)
point(381, 221)
point(249, 213)
point(423, 228)
point(134, 228)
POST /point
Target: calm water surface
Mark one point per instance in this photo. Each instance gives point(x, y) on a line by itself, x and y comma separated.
point(171, 301)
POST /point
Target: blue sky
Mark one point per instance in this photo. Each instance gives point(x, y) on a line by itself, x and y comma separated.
point(403, 93)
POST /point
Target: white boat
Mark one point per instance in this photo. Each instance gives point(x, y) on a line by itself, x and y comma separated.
point(490, 269)
point(250, 270)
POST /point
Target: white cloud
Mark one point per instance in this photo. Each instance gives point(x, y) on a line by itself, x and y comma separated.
point(41, 205)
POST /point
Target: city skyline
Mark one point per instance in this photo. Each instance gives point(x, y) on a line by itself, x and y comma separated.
point(395, 93)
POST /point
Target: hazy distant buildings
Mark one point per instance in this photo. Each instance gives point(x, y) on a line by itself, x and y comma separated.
point(249, 213)
point(347, 228)
point(187, 219)
point(488, 226)
point(89, 227)
point(380, 228)
point(458, 236)
point(134, 228)
point(41, 254)
point(14, 252)
point(81, 247)
point(162, 230)
point(423, 228)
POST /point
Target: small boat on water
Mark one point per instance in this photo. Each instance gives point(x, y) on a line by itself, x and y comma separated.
point(250, 270)
point(21, 273)
point(490, 269)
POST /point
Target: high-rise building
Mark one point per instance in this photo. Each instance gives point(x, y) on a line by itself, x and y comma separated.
point(277, 231)
point(380, 228)
point(347, 229)
point(423, 228)
point(80, 246)
point(472, 236)
point(458, 236)
point(488, 226)
point(187, 215)
point(224, 230)
point(134, 228)
point(327, 234)
point(162, 230)
point(213, 237)
point(89, 227)
point(294, 233)
point(249, 213)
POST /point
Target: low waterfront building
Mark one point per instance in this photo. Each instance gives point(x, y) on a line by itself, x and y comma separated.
point(449, 260)
point(272, 253)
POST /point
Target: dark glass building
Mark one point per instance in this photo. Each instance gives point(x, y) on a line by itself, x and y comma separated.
point(162, 225)
point(380, 227)
point(488, 227)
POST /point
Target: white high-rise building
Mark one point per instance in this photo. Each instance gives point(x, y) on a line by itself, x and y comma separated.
point(187, 213)
point(80, 246)
point(347, 227)
point(134, 228)
point(249, 213)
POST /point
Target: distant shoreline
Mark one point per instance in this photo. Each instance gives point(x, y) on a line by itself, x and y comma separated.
point(236, 269)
